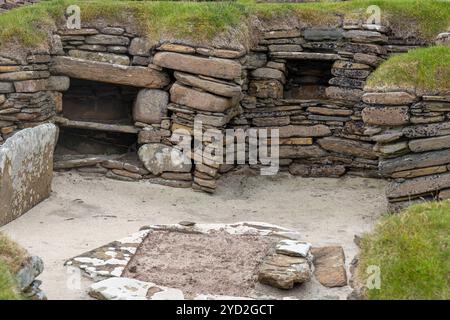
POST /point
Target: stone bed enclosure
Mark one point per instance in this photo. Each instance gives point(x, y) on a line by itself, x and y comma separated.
point(117, 98)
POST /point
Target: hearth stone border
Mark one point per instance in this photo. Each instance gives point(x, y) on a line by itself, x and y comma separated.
point(105, 264)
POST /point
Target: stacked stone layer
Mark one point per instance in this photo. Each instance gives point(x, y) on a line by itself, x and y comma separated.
point(308, 83)
point(412, 135)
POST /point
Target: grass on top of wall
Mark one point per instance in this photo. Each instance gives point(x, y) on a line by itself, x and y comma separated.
point(204, 20)
point(412, 250)
point(422, 70)
point(11, 257)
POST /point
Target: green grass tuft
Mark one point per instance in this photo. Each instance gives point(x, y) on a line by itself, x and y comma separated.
point(421, 70)
point(11, 257)
point(412, 250)
point(8, 289)
point(205, 20)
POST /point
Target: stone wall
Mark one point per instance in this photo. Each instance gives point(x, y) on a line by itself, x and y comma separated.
point(26, 170)
point(412, 136)
point(307, 82)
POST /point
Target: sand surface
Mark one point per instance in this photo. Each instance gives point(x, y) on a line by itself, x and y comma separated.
point(84, 213)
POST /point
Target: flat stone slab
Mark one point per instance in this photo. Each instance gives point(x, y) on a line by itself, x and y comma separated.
point(111, 73)
point(329, 264)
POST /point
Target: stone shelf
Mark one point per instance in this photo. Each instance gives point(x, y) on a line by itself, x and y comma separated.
point(64, 122)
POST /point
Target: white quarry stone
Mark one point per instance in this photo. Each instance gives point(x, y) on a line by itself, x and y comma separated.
point(132, 289)
point(158, 158)
point(293, 248)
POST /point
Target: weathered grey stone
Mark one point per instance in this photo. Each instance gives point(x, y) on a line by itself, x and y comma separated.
point(305, 55)
point(427, 130)
point(23, 75)
point(220, 53)
point(58, 83)
point(2, 100)
point(117, 31)
point(214, 67)
point(365, 36)
point(419, 172)
point(276, 34)
point(386, 116)
point(390, 149)
point(173, 47)
point(256, 60)
point(77, 163)
point(301, 152)
point(266, 89)
point(271, 122)
point(93, 47)
point(363, 48)
point(436, 143)
point(31, 268)
point(141, 47)
point(414, 161)
point(77, 32)
point(6, 87)
point(285, 47)
point(346, 94)
point(350, 73)
point(437, 106)
point(330, 111)
point(220, 88)
point(29, 86)
point(318, 130)
point(389, 98)
point(26, 163)
point(105, 72)
point(347, 82)
point(344, 64)
point(281, 271)
point(100, 57)
point(304, 170)
point(314, 34)
point(183, 95)
point(368, 59)
point(268, 73)
point(418, 186)
point(150, 106)
point(107, 40)
point(329, 266)
point(117, 49)
point(158, 158)
point(444, 194)
point(349, 147)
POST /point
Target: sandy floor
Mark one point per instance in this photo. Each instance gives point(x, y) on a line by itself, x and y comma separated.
point(86, 212)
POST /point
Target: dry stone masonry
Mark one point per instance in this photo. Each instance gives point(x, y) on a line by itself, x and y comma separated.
point(124, 102)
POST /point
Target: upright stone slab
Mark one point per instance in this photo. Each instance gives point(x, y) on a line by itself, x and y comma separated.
point(26, 170)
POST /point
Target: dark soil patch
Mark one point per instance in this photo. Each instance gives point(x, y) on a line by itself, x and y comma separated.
point(216, 263)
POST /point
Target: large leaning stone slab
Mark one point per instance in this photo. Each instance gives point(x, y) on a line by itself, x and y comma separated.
point(418, 186)
point(348, 147)
point(220, 88)
point(110, 73)
point(198, 100)
point(213, 67)
point(329, 266)
point(414, 161)
point(150, 106)
point(159, 158)
point(436, 143)
point(388, 98)
point(26, 170)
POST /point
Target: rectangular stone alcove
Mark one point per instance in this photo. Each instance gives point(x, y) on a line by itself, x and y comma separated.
point(307, 79)
point(97, 119)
